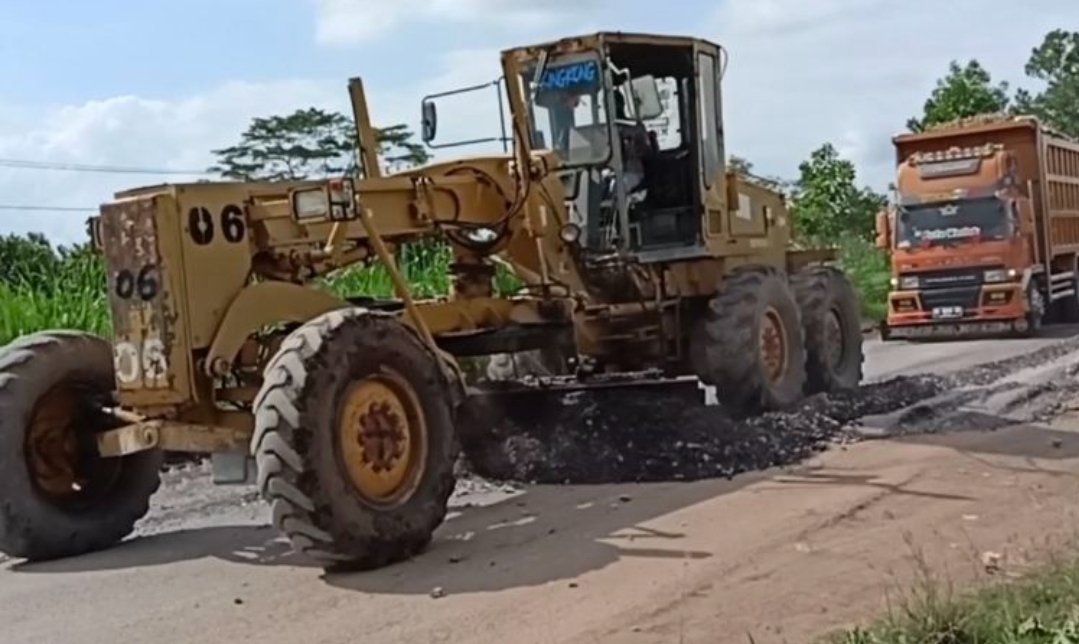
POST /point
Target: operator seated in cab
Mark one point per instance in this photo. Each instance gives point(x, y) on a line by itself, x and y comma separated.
point(638, 146)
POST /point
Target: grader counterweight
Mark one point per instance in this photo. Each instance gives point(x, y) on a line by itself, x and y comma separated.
point(639, 254)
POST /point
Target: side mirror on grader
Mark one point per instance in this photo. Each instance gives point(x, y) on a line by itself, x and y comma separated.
point(646, 98)
point(428, 120)
point(653, 266)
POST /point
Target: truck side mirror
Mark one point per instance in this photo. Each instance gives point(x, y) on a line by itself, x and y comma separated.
point(428, 121)
point(884, 233)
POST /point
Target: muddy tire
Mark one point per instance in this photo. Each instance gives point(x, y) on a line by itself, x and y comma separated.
point(1036, 314)
point(1067, 308)
point(754, 310)
point(354, 440)
point(52, 387)
point(832, 327)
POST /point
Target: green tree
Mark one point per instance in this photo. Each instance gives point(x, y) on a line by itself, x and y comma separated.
point(826, 203)
point(1055, 62)
point(964, 92)
point(309, 143)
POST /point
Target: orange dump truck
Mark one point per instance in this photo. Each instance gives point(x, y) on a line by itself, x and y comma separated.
point(983, 234)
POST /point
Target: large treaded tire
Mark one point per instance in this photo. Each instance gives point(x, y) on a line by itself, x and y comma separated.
point(822, 291)
point(300, 472)
point(33, 525)
point(725, 346)
point(1066, 310)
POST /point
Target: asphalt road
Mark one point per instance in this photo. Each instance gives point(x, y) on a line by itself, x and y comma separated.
point(895, 358)
point(627, 563)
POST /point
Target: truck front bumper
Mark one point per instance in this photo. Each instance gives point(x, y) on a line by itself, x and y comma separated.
point(989, 309)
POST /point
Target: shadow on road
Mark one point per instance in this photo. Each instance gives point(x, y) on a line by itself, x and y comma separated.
point(546, 534)
point(1000, 437)
point(862, 480)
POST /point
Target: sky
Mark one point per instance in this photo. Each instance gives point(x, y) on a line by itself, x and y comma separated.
point(158, 85)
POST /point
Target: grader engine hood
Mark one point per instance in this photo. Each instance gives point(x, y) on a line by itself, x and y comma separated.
point(151, 365)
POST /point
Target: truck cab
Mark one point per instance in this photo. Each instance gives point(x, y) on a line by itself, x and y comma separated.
point(961, 236)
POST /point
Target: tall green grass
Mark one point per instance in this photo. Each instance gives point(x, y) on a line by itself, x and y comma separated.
point(68, 289)
point(42, 289)
point(70, 295)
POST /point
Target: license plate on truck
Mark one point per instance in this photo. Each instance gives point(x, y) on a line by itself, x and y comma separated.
point(947, 312)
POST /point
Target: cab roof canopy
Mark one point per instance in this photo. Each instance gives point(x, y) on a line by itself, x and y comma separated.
point(633, 50)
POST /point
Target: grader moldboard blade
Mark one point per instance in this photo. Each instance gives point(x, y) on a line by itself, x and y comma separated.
point(535, 405)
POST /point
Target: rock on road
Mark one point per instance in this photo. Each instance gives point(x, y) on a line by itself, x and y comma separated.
point(778, 554)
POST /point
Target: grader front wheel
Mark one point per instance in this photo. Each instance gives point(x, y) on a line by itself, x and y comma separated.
point(354, 440)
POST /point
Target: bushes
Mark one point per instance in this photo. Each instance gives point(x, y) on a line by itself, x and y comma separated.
point(868, 268)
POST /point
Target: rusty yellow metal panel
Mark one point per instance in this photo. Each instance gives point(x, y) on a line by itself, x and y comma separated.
point(146, 299)
point(215, 234)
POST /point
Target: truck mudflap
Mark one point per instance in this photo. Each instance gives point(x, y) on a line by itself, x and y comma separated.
point(958, 329)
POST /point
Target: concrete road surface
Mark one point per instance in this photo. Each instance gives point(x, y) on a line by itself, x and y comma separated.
point(894, 358)
point(780, 555)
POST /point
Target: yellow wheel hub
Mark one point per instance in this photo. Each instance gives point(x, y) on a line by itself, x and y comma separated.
point(382, 438)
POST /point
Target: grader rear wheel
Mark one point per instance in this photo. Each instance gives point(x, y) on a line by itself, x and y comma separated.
point(60, 497)
point(831, 320)
point(749, 342)
point(355, 441)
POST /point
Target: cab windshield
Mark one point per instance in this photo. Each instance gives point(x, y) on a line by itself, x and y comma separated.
point(568, 111)
point(953, 222)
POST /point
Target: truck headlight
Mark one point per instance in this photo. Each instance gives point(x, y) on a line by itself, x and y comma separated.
point(908, 283)
point(998, 275)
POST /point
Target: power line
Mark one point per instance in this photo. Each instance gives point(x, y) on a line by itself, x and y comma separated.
point(46, 208)
point(86, 167)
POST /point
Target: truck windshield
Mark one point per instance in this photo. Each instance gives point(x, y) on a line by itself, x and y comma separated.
point(568, 110)
point(954, 221)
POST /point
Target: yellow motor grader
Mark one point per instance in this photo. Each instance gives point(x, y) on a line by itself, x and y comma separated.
point(641, 256)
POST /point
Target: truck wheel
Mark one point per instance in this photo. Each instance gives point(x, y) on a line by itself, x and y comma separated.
point(60, 498)
point(749, 342)
point(1036, 315)
point(831, 322)
point(354, 440)
point(1067, 308)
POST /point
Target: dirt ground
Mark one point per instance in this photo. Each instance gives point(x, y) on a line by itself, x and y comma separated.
point(780, 555)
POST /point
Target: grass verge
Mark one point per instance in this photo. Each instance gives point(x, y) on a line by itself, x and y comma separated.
point(1041, 607)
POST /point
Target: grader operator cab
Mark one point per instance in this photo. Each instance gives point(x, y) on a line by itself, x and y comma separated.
point(640, 255)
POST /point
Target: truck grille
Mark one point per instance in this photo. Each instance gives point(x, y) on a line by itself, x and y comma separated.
point(951, 287)
point(950, 278)
point(965, 297)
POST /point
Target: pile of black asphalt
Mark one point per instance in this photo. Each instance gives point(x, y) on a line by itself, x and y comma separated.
point(641, 435)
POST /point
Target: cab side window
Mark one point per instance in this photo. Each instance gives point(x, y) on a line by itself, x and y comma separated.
point(708, 114)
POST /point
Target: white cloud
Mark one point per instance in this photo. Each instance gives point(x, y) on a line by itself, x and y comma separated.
point(803, 72)
point(128, 131)
point(345, 22)
point(134, 131)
